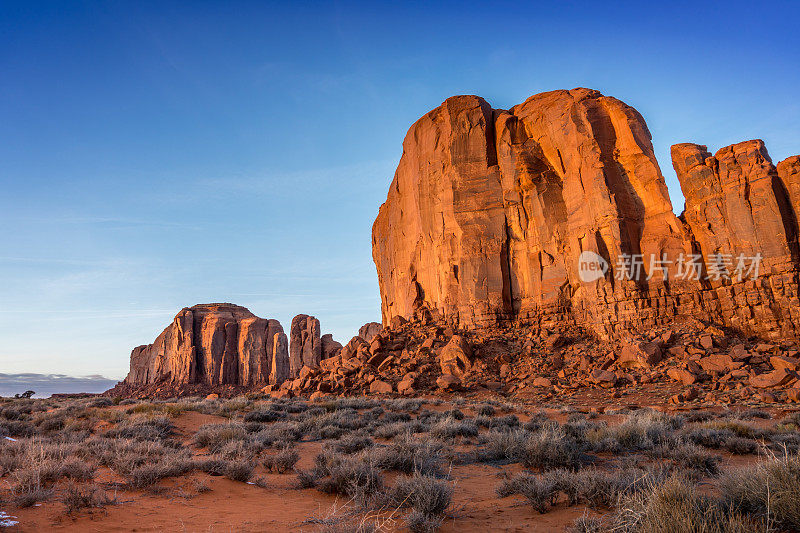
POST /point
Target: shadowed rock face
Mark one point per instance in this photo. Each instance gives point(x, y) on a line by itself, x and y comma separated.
point(490, 210)
point(214, 344)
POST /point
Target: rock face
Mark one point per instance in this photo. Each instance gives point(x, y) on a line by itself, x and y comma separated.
point(305, 344)
point(494, 215)
point(214, 344)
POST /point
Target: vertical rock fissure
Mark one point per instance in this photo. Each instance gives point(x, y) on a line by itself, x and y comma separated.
point(509, 309)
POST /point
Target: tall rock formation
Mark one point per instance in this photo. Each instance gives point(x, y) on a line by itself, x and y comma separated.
point(305, 344)
point(491, 213)
point(214, 344)
point(279, 372)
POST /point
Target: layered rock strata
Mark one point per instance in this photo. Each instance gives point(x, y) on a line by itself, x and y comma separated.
point(492, 214)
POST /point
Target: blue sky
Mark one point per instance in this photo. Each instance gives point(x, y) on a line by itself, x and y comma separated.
point(155, 155)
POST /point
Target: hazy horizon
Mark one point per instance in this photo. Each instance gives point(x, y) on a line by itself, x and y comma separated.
point(47, 384)
point(158, 156)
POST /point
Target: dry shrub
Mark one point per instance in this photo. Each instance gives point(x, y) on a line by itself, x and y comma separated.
point(352, 443)
point(143, 427)
point(409, 454)
point(450, 428)
point(281, 462)
point(350, 475)
point(76, 498)
point(770, 488)
point(215, 436)
point(586, 524)
point(149, 474)
point(235, 469)
point(418, 522)
point(550, 447)
point(676, 506)
point(596, 488)
point(698, 461)
point(428, 495)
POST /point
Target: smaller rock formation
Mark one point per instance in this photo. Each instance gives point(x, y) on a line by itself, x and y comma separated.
point(305, 344)
point(330, 348)
point(369, 330)
point(280, 365)
point(213, 344)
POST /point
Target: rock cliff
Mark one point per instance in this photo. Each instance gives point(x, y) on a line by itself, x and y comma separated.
point(491, 213)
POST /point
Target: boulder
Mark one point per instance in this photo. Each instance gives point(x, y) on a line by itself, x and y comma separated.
point(353, 348)
point(380, 387)
point(541, 382)
point(706, 342)
point(376, 345)
point(604, 378)
point(448, 382)
point(377, 359)
point(779, 362)
point(331, 363)
point(682, 375)
point(282, 394)
point(386, 363)
point(406, 386)
point(318, 395)
point(456, 356)
point(739, 353)
point(306, 371)
point(686, 396)
point(776, 378)
point(369, 330)
point(639, 354)
point(554, 341)
point(397, 322)
point(721, 363)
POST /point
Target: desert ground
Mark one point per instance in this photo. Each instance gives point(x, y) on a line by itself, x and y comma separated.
point(361, 464)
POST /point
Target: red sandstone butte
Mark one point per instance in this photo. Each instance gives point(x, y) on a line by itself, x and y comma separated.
point(490, 209)
point(214, 344)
